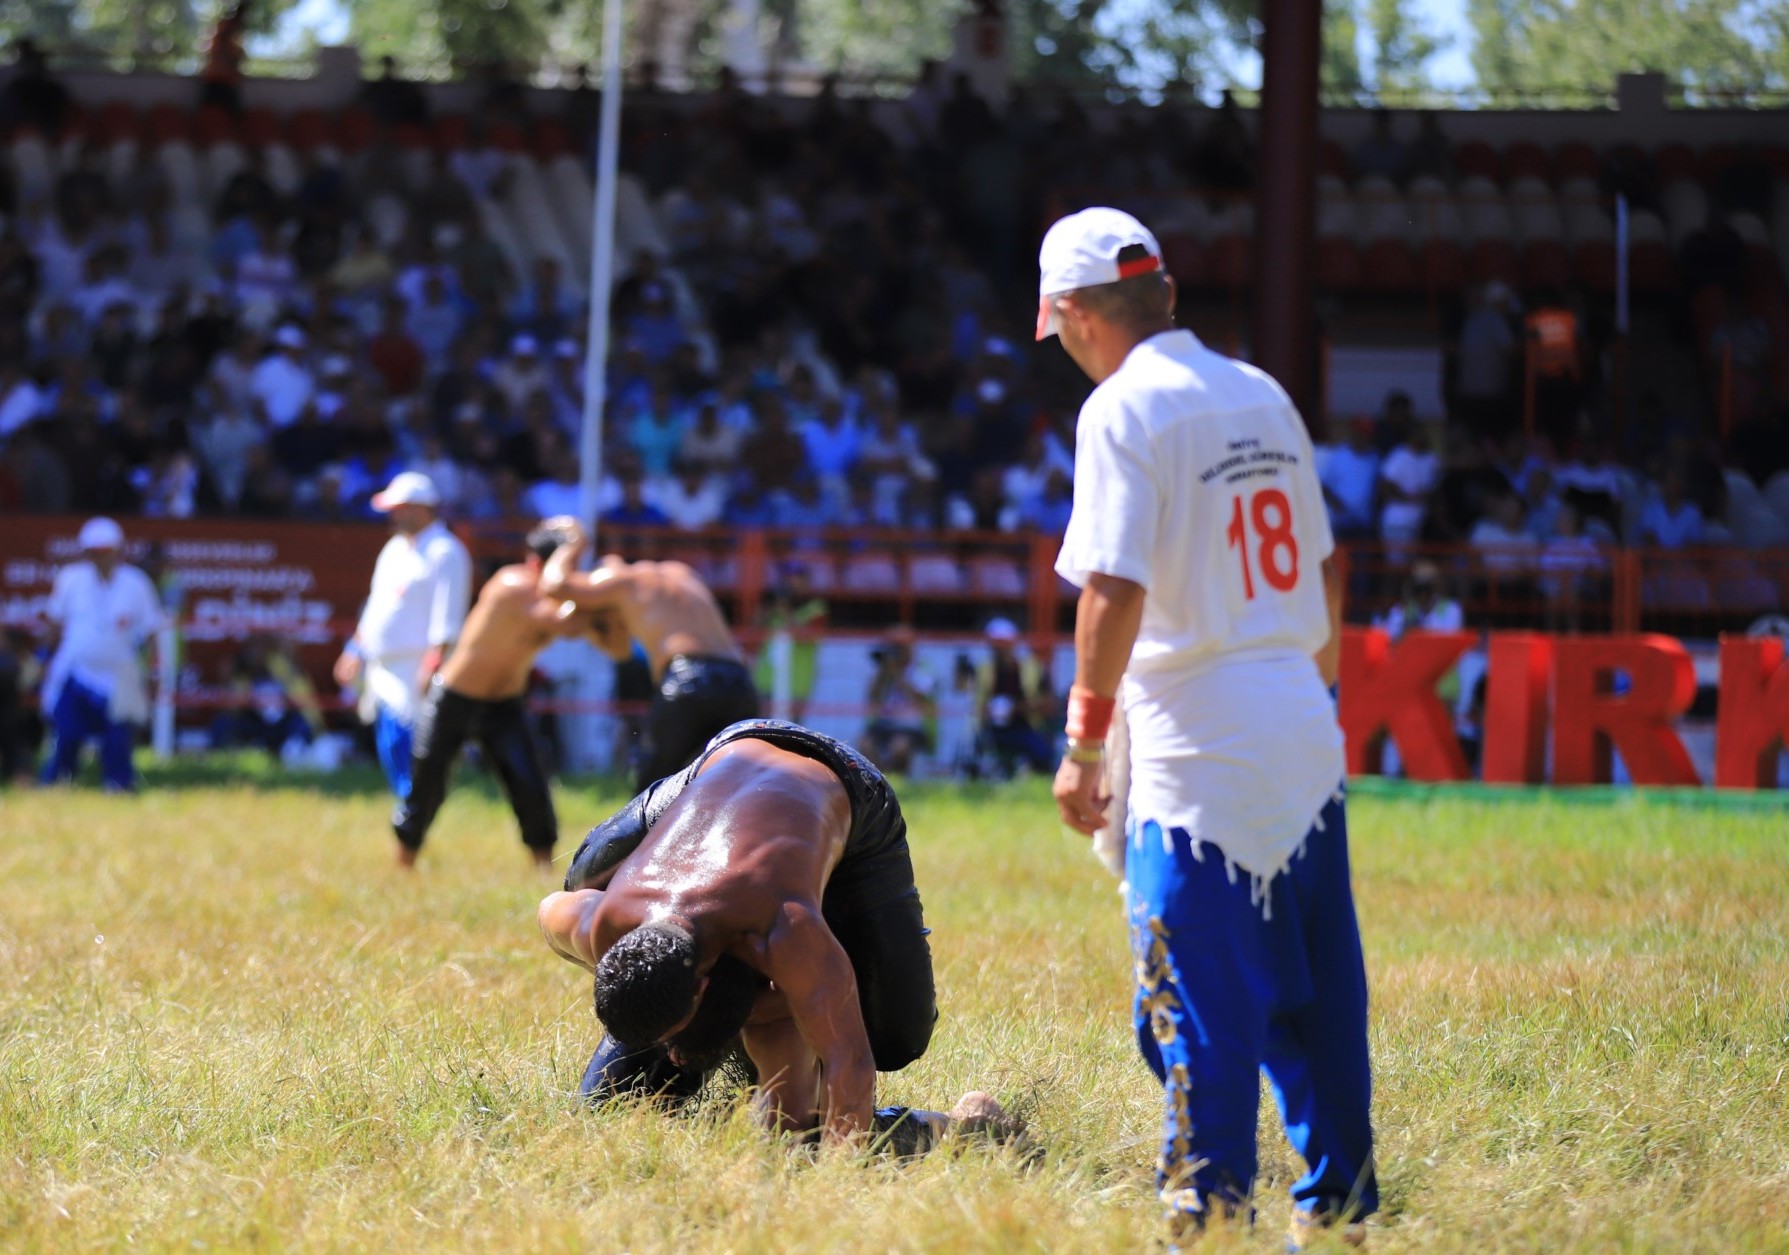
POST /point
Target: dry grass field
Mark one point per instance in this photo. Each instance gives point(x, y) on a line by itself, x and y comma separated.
point(227, 1024)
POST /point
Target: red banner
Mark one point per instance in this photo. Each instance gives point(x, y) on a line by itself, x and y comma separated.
point(236, 578)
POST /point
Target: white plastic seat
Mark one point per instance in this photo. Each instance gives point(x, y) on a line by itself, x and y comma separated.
point(220, 163)
point(1539, 220)
point(1587, 224)
point(283, 170)
point(1337, 218)
point(934, 573)
point(871, 573)
point(1374, 187)
point(1750, 228)
point(1479, 190)
point(996, 577)
point(1488, 220)
point(1393, 219)
point(1646, 227)
point(34, 168)
point(180, 167)
point(1580, 189)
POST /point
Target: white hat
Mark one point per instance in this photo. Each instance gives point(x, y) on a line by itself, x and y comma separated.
point(1084, 250)
point(524, 346)
point(289, 337)
point(101, 533)
point(407, 488)
point(1003, 630)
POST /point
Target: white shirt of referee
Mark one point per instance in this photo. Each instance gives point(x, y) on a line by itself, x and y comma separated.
point(422, 585)
point(1201, 540)
point(105, 610)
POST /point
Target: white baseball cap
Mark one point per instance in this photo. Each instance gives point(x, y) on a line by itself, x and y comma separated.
point(101, 533)
point(1087, 249)
point(289, 337)
point(1003, 630)
point(407, 488)
point(524, 346)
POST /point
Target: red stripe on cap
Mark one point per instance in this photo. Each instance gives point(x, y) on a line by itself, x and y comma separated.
point(1138, 266)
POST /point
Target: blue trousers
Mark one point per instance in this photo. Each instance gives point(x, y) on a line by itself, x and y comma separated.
point(391, 738)
point(83, 714)
point(1228, 989)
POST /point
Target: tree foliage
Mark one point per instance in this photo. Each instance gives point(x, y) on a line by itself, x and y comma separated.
point(147, 31)
point(1529, 45)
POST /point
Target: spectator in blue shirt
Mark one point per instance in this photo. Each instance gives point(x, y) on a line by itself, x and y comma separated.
point(654, 326)
point(545, 309)
point(1350, 478)
point(833, 444)
point(634, 510)
point(1048, 512)
point(655, 433)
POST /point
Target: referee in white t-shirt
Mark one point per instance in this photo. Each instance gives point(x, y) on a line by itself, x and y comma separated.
point(1202, 548)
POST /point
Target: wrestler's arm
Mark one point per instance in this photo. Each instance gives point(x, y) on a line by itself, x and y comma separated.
point(788, 1068)
point(1329, 658)
point(561, 580)
point(568, 922)
point(806, 962)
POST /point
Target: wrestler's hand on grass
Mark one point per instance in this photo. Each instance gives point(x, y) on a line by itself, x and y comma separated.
point(1081, 797)
point(566, 922)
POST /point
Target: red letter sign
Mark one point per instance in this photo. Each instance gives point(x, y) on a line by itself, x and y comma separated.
point(1521, 663)
point(1588, 719)
point(1392, 691)
point(1754, 719)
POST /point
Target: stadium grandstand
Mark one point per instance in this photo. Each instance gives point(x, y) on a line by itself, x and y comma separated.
point(1553, 349)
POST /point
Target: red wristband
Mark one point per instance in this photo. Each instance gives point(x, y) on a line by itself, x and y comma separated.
point(1089, 714)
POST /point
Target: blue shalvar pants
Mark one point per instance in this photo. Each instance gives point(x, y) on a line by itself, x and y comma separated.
point(83, 714)
point(391, 738)
point(1227, 989)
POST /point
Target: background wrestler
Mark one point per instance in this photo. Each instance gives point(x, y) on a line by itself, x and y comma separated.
point(480, 693)
point(702, 681)
point(777, 858)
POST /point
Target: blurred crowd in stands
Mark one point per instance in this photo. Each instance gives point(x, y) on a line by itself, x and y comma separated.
point(832, 334)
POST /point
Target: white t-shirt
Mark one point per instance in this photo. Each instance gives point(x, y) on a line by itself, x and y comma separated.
point(104, 624)
point(1195, 478)
point(421, 588)
point(283, 387)
point(1417, 474)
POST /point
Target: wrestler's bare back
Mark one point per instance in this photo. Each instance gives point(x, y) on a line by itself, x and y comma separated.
point(508, 626)
point(757, 830)
point(663, 605)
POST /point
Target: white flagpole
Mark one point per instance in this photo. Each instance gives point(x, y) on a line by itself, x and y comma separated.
point(602, 270)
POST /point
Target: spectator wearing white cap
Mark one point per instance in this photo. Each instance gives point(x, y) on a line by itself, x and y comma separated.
point(421, 587)
point(1201, 543)
point(521, 374)
point(101, 611)
point(1012, 700)
point(282, 385)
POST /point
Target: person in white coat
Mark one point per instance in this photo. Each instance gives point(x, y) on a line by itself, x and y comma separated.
point(101, 611)
point(422, 586)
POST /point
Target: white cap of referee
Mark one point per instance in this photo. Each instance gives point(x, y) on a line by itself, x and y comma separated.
point(1086, 249)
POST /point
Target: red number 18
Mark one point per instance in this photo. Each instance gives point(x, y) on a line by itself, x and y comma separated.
point(1277, 553)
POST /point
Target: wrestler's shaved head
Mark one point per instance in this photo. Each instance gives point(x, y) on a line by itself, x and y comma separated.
point(646, 984)
point(727, 1002)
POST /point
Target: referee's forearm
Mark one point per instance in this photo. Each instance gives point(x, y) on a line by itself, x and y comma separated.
point(1106, 621)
